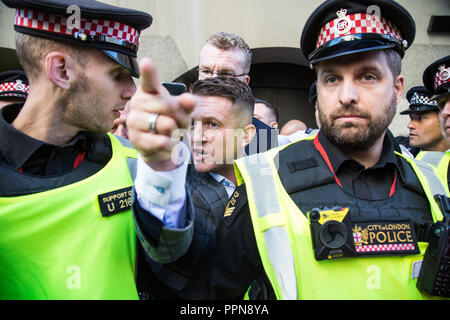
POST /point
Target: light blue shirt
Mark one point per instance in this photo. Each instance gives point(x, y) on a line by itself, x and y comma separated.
point(229, 186)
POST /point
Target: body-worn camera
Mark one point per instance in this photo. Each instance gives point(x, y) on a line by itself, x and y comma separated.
point(335, 235)
point(434, 277)
point(331, 233)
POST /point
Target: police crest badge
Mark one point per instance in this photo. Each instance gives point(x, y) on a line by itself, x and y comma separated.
point(343, 23)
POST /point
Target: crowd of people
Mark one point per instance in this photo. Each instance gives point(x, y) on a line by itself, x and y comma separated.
point(118, 192)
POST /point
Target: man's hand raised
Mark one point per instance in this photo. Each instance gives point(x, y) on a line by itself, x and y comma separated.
point(172, 114)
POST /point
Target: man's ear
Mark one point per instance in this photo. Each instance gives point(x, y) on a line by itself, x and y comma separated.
point(59, 67)
point(250, 132)
point(274, 124)
point(247, 79)
point(399, 87)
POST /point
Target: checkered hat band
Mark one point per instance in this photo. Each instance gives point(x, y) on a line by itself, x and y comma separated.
point(386, 247)
point(442, 77)
point(422, 100)
point(58, 24)
point(14, 86)
point(360, 23)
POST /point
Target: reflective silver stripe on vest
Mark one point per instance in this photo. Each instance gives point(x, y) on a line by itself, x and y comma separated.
point(277, 242)
point(433, 180)
point(432, 157)
point(131, 162)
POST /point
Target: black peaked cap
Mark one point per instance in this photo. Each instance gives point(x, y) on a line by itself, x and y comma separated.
point(327, 11)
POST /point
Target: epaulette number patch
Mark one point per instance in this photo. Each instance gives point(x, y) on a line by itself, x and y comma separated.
point(114, 202)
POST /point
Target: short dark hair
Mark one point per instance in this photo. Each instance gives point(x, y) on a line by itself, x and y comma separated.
point(270, 106)
point(237, 91)
point(394, 61)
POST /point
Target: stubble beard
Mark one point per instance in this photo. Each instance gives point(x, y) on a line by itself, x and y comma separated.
point(356, 136)
point(82, 107)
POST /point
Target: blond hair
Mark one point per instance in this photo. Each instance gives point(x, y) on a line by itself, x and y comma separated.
point(32, 50)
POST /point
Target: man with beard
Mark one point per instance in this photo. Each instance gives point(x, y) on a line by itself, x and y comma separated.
point(67, 227)
point(343, 195)
point(306, 217)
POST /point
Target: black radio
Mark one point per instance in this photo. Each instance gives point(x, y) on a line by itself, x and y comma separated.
point(434, 277)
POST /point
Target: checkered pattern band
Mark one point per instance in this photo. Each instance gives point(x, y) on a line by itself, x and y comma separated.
point(422, 100)
point(356, 24)
point(14, 86)
point(386, 247)
point(58, 24)
point(442, 76)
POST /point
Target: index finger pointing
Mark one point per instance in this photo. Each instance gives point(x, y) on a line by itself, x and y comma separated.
point(148, 77)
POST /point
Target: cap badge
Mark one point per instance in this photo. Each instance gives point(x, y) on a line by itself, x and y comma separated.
point(343, 24)
point(444, 73)
point(19, 85)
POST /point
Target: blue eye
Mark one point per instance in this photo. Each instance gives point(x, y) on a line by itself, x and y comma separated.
point(368, 77)
point(331, 80)
point(206, 72)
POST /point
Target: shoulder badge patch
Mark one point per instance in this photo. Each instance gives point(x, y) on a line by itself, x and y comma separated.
point(231, 205)
point(114, 202)
point(384, 238)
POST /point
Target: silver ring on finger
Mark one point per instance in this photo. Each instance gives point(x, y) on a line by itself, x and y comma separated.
point(152, 121)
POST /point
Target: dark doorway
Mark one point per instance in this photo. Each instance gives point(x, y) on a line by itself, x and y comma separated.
point(9, 60)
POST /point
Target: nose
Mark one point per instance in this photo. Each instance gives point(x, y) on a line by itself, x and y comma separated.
point(197, 132)
point(348, 94)
point(410, 125)
point(445, 112)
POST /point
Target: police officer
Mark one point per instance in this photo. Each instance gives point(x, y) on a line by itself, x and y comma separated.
point(424, 131)
point(14, 87)
point(436, 78)
point(67, 229)
point(335, 204)
point(306, 217)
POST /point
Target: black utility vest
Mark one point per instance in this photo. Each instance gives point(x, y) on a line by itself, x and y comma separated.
point(310, 183)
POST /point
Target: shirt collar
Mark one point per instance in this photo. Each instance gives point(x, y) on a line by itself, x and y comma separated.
point(338, 157)
point(17, 147)
point(221, 179)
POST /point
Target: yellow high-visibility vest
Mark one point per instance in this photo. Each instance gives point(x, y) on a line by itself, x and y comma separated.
point(284, 243)
point(57, 244)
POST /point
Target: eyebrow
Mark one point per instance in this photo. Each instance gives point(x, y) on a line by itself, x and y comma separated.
point(363, 69)
point(370, 68)
point(208, 118)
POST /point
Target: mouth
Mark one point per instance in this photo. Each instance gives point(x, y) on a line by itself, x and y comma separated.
point(199, 153)
point(349, 117)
